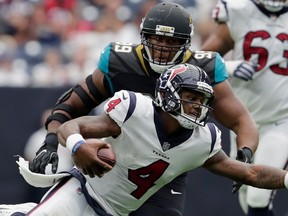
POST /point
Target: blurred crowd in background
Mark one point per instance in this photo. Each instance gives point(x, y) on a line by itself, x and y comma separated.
point(53, 43)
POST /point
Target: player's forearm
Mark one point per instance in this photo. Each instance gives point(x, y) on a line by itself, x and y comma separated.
point(67, 129)
point(231, 113)
point(53, 127)
point(268, 177)
point(247, 133)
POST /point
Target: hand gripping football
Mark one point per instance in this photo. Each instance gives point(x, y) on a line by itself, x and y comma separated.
point(107, 155)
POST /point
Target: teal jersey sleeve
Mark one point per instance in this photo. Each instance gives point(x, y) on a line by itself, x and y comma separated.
point(220, 69)
point(103, 63)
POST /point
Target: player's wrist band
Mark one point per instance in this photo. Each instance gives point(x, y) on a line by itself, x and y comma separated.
point(231, 66)
point(73, 142)
point(286, 181)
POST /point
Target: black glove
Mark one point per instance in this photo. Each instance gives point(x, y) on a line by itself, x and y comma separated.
point(243, 155)
point(45, 155)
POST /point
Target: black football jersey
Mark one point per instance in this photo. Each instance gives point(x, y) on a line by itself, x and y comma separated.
point(126, 69)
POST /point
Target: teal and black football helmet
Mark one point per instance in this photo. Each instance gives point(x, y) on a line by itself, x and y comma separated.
point(166, 20)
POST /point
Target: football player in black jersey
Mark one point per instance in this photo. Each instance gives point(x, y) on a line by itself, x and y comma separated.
point(166, 32)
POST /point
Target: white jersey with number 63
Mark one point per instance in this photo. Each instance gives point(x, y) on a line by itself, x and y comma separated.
point(263, 40)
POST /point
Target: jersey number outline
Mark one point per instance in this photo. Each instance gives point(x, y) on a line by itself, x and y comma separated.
point(123, 47)
point(263, 53)
point(112, 104)
point(202, 54)
point(145, 177)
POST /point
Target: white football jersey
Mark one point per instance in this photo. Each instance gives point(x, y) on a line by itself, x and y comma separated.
point(146, 158)
point(263, 40)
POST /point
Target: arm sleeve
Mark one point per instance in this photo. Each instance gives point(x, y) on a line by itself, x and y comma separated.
point(103, 63)
point(220, 70)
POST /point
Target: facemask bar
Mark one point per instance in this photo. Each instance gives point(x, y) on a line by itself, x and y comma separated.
point(161, 65)
point(190, 122)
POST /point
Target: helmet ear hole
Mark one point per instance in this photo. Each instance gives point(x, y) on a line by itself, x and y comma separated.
point(173, 104)
point(169, 104)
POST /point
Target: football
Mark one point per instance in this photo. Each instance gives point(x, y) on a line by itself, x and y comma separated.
point(107, 155)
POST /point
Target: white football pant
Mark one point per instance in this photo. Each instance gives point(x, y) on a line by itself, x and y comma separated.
point(272, 151)
point(66, 200)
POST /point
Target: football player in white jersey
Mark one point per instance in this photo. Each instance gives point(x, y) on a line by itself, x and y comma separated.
point(154, 142)
point(257, 32)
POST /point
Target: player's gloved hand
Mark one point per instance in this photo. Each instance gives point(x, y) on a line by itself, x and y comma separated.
point(45, 155)
point(245, 70)
point(245, 155)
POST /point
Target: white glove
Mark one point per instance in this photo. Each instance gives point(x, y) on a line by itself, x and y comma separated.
point(241, 69)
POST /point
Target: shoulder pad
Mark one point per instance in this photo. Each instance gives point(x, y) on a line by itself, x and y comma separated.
point(103, 63)
point(121, 106)
point(212, 63)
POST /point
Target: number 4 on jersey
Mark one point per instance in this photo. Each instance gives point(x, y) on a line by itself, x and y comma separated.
point(145, 177)
point(112, 104)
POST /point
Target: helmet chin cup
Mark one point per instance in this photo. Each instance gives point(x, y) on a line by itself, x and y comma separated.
point(185, 122)
point(272, 5)
point(158, 68)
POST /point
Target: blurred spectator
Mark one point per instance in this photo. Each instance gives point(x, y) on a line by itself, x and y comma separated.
point(51, 72)
point(12, 71)
point(201, 14)
point(52, 4)
point(18, 19)
point(79, 65)
point(45, 32)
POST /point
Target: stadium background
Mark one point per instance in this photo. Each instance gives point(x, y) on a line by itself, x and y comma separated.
point(48, 45)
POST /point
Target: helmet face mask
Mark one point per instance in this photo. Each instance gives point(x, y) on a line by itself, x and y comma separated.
point(272, 5)
point(163, 56)
point(172, 22)
point(176, 81)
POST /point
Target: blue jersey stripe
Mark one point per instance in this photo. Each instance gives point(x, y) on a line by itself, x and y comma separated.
point(132, 105)
point(213, 135)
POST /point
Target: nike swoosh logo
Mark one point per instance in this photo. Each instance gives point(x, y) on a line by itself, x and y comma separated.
point(124, 97)
point(175, 192)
